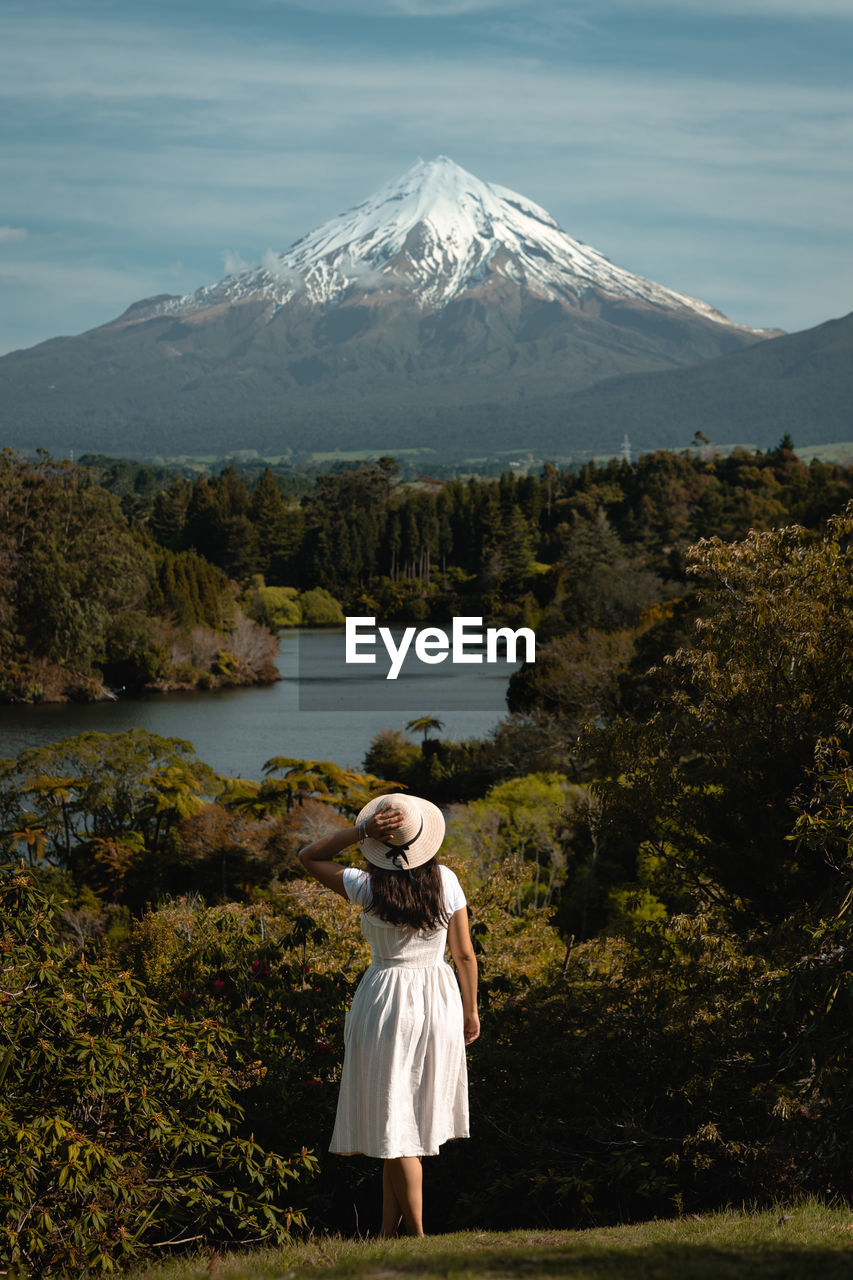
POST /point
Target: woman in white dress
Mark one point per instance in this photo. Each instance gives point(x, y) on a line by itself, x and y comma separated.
point(404, 1087)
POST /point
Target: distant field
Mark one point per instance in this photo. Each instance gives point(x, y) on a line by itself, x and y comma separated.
point(840, 452)
point(353, 455)
point(809, 1242)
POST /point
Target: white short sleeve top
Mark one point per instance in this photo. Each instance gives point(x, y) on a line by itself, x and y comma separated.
point(357, 888)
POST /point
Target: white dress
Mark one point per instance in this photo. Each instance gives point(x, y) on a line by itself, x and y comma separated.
point(404, 1087)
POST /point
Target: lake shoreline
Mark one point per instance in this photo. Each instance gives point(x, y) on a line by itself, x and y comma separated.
point(54, 685)
point(237, 729)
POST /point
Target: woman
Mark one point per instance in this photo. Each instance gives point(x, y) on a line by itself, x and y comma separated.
point(404, 1087)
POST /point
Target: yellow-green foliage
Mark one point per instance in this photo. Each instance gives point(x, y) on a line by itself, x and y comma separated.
point(275, 607)
point(119, 1121)
point(635, 906)
point(524, 819)
point(282, 607)
point(162, 939)
point(518, 947)
point(320, 609)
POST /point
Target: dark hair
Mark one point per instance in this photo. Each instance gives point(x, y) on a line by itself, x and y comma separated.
point(413, 898)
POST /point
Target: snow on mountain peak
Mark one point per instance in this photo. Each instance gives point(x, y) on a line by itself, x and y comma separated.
point(434, 233)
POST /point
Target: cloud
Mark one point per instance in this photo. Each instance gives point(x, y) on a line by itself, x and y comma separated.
point(436, 9)
point(74, 296)
point(238, 119)
point(744, 8)
point(574, 10)
point(170, 143)
point(233, 263)
point(271, 262)
point(7, 234)
point(369, 277)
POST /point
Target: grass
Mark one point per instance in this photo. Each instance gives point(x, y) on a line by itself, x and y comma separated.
point(841, 453)
point(806, 1242)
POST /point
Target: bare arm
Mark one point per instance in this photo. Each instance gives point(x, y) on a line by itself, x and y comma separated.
point(462, 950)
point(318, 858)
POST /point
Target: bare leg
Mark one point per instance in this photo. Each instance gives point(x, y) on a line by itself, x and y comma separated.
point(391, 1216)
point(405, 1175)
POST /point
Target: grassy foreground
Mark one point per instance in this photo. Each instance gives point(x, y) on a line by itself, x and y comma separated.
point(807, 1242)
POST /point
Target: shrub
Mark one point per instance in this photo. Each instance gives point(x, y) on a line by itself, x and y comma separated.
point(392, 755)
point(320, 609)
point(274, 607)
point(280, 979)
point(639, 1082)
point(119, 1123)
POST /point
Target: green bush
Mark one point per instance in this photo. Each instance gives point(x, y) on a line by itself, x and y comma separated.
point(320, 609)
point(281, 985)
point(392, 755)
point(119, 1123)
point(638, 1082)
point(280, 975)
point(104, 807)
point(273, 607)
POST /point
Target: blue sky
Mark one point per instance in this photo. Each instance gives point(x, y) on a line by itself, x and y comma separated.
point(706, 146)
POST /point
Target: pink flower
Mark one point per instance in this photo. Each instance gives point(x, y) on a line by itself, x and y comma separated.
point(219, 984)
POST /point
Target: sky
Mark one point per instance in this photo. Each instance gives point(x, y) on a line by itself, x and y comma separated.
point(149, 148)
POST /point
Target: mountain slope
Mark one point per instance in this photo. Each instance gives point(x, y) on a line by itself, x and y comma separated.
point(434, 234)
point(801, 383)
point(439, 302)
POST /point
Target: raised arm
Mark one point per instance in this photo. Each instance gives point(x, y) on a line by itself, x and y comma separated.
point(462, 950)
point(318, 858)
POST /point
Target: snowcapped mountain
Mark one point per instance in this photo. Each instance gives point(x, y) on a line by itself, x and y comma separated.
point(442, 311)
point(434, 234)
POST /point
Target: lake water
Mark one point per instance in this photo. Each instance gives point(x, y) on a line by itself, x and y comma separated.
point(237, 730)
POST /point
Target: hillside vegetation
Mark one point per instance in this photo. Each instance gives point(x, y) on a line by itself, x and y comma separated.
point(545, 381)
point(588, 547)
point(655, 845)
point(87, 601)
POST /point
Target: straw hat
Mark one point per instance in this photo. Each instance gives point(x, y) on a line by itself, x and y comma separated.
point(412, 844)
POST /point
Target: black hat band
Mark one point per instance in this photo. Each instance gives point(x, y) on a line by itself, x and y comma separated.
point(398, 851)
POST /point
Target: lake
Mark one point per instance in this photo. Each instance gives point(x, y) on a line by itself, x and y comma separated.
point(237, 730)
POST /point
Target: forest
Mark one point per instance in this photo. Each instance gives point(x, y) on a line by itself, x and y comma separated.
point(117, 576)
point(655, 842)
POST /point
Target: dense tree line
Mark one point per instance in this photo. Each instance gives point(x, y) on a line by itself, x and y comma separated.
point(569, 549)
point(88, 600)
point(570, 553)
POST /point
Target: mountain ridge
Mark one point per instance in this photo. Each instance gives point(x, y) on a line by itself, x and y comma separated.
point(800, 383)
point(439, 303)
point(438, 231)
